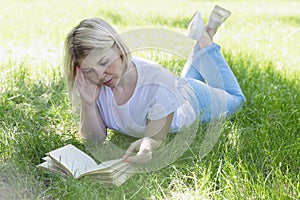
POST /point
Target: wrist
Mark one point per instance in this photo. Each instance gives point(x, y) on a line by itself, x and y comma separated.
point(159, 139)
point(156, 142)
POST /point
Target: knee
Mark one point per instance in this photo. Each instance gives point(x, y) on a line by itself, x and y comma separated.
point(240, 100)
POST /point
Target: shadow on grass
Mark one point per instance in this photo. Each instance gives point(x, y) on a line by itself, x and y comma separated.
point(260, 138)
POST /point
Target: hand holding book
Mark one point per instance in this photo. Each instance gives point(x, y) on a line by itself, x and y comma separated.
point(145, 147)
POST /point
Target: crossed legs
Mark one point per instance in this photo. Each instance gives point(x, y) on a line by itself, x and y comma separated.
point(211, 78)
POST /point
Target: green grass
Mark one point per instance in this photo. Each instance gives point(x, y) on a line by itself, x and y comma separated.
point(258, 153)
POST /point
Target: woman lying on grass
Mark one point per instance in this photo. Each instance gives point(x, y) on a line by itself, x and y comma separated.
point(140, 98)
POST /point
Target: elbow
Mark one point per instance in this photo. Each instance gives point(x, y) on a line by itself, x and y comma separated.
point(93, 137)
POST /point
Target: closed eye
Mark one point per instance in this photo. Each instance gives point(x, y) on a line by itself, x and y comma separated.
point(103, 62)
point(86, 71)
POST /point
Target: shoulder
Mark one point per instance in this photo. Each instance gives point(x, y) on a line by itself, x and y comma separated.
point(142, 61)
point(151, 70)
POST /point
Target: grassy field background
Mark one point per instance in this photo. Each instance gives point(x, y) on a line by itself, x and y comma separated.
point(258, 153)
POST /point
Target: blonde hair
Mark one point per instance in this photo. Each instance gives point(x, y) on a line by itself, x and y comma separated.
point(90, 35)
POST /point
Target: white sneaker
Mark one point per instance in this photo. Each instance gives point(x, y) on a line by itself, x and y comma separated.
point(195, 26)
point(217, 16)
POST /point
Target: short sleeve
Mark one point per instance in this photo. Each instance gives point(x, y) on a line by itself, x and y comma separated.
point(165, 102)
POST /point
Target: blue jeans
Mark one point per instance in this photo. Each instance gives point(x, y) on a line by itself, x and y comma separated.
point(213, 82)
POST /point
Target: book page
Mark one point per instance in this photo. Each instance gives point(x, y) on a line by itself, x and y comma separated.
point(122, 178)
point(108, 167)
point(49, 166)
point(72, 159)
point(118, 178)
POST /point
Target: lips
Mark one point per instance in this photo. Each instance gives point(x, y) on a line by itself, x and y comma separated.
point(108, 82)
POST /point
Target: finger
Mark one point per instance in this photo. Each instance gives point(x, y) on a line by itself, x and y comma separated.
point(126, 155)
point(78, 83)
point(146, 146)
point(82, 81)
point(76, 73)
point(129, 151)
point(141, 159)
point(135, 145)
point(81, 76)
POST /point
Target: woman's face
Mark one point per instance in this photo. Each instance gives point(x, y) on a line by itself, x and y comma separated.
point(104, 67)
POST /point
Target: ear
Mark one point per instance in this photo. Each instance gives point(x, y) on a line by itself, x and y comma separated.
point(76, 66)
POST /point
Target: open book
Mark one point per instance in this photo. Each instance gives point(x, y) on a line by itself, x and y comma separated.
point(70, 161)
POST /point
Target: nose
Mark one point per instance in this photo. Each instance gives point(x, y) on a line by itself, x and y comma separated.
point(105, 77)
point(105, 73)
point(99, 72)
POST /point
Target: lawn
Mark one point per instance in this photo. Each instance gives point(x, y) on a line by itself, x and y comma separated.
point(257, 154)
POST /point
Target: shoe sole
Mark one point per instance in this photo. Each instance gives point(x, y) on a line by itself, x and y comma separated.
point(217, 16)
point(195, 26)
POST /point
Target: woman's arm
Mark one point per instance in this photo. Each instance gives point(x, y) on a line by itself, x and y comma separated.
point(158, 129)
point(92, 126)
point(156, 133)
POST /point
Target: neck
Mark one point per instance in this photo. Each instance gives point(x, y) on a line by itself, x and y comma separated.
point(128, 79)
point(126, 86)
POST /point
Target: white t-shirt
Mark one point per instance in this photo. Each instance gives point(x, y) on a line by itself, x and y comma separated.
point(157, 94)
